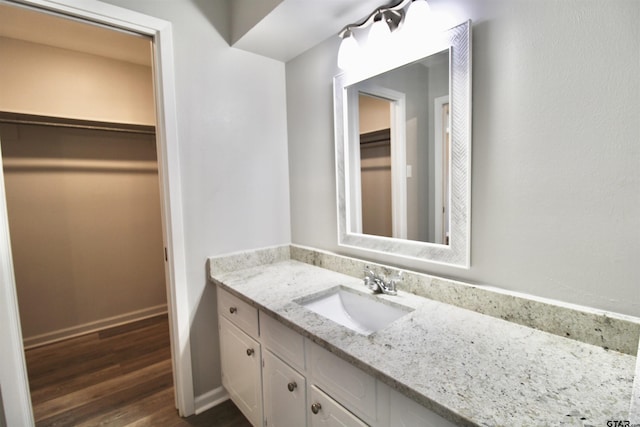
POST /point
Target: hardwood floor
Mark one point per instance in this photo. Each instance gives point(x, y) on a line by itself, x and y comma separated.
point(117, 377)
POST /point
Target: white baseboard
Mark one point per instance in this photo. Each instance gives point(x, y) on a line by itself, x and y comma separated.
point(210, 399)
point(98, 325)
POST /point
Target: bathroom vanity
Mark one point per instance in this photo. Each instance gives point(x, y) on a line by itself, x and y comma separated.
point(275, 374)
point(437, 364)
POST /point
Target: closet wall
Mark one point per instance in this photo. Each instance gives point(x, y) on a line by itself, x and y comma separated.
point(83, 204)
point(50, 81)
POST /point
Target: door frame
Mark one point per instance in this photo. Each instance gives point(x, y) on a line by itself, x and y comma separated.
point(439, 160)
point(398, 121)
point(13, 374)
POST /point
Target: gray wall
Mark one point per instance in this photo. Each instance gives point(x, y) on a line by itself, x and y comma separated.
point(556, 176)
point(232, 135)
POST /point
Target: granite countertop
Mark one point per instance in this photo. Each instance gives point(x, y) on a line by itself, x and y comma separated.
point(471, 368)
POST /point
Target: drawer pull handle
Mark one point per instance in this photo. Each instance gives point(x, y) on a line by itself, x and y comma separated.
point(292, 386)
point(250, 352)
point(232, 310)
point(315, 408)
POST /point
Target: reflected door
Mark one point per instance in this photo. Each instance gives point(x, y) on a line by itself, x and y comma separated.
point(375, 175)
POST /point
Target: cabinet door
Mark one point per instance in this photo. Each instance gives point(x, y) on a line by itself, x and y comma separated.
point(284, 393)
point(240, 359)
point(326, 412)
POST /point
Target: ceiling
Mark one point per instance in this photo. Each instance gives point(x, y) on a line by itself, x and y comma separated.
point(294, 26)
point(282, 31)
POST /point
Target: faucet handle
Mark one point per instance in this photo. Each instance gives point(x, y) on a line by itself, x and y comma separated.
point(368, 272)
point(370, 279)
point(394, 278)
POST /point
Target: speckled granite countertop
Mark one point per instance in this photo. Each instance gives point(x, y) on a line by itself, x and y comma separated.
point(470, 368)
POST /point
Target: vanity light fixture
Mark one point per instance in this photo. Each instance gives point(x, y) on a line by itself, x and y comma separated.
point(380, 32)
point(417, 14)
point(348, 51)
point(383, 21)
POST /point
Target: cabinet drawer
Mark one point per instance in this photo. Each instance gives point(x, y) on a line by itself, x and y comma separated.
point(404, 412)
point(353, 388)
point(284, 342)
point(238, 312)
point(327, 412)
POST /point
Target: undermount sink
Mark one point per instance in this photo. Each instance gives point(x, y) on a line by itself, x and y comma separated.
point(363, 313)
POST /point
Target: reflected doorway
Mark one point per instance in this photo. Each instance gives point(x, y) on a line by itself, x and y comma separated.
point(375, 165)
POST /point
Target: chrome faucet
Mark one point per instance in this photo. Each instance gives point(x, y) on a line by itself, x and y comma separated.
point(378, 283)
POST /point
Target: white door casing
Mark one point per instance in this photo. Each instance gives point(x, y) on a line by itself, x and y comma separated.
point(439, 168)
point(13, 373)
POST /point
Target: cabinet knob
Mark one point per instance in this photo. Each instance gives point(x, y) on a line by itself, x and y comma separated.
point(250, 352)
point(315, 407)
point(232, 310)
point(292, 386)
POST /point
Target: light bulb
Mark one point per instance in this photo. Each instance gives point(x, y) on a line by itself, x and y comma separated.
point(348, 51)
point(379, 35)
point(417, 16)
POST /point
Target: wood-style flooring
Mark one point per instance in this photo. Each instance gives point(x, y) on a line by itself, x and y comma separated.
point(117, 377)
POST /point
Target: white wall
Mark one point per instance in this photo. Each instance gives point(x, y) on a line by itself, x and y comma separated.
point(233, 153)
point(556, 176)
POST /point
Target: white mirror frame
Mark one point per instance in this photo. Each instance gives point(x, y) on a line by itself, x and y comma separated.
point(457, 41)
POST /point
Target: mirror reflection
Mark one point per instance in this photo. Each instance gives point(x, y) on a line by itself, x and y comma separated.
point(403, 127)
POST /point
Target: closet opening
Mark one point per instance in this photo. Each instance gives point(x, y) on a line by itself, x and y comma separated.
point(91, 185)
point(83, 205)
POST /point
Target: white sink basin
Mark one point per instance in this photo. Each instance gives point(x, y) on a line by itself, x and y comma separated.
point(363, 313)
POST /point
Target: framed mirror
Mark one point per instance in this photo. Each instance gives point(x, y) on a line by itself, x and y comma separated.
point(403, 151)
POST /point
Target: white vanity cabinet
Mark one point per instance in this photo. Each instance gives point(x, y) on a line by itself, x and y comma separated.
point(241, 370)
point(353, 388)
point(284, 393)
point(327, 412)
point(288, 380)
point(404, 412)
point(285, 386)
point(240, 356)
point(278, 378)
